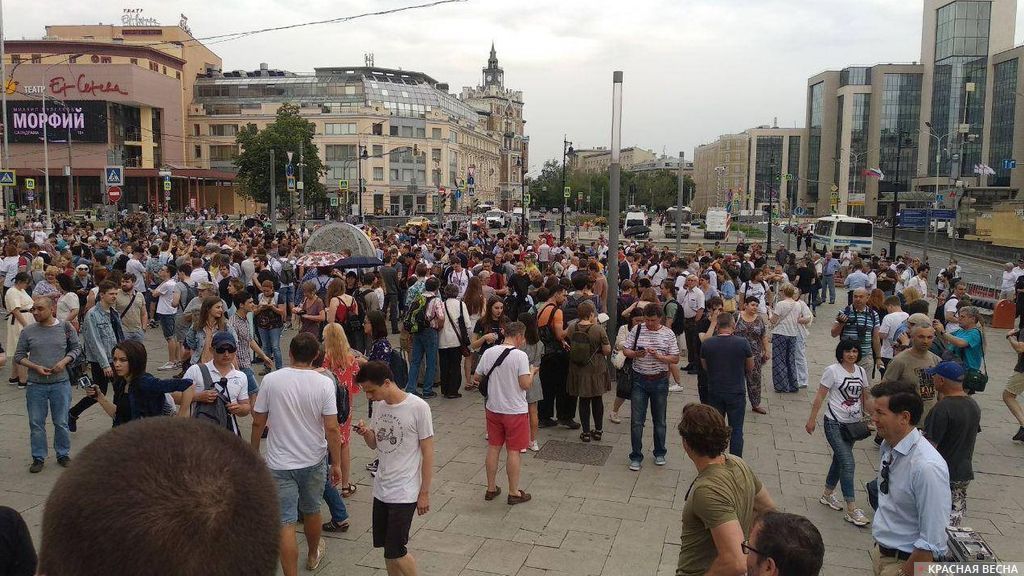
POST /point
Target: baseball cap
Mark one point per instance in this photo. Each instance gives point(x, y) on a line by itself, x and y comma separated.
point(948, 370)
point(223, 338)
point(82, 267)
point(919, 319)
point(205, 285)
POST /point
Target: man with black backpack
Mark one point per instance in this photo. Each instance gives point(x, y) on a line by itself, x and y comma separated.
point(221, 391)
point(284, 268)
point(423, 321)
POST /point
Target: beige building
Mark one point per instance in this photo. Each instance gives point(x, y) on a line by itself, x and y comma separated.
point(599, 159)
point(745, 172)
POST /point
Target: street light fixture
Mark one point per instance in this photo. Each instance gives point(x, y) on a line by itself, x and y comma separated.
point(522, 190)
point(566, 152)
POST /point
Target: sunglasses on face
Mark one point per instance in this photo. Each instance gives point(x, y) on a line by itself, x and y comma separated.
point(747, 548)
point(225, 350)
point(883, 486)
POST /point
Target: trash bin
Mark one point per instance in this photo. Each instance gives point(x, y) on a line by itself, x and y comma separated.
point(1003, 314)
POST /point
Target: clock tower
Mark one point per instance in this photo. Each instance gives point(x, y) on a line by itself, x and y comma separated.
point(493, 74)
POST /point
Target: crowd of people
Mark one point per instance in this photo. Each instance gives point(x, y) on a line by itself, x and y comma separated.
point(527, 323)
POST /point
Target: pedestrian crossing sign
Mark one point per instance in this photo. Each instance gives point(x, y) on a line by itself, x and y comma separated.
point(114, 176)
point(7, 177)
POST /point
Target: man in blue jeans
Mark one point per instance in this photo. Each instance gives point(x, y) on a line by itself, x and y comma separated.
point(425, 332)
point(828, 279)
point(727, 376)
point(46, 348)
point(653, 350)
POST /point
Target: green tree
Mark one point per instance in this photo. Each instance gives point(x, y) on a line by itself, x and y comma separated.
point(288, 132)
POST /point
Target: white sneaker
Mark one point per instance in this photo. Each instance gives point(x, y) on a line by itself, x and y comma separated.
point(534, 447)
point(614, 418)
point(675, 388)
point(831, 501)
point(857, 517)
point(168, 366)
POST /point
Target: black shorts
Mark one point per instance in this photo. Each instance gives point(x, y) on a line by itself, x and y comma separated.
point(391, 523)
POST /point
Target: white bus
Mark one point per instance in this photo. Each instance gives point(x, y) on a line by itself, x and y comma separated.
point(834, 233)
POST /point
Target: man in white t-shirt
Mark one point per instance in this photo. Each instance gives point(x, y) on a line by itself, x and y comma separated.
point(402, 433)
point(508, 419)
point(168, 298)
point(949, 309)
point(230, 384)
point(894, 317)
point(299, 404)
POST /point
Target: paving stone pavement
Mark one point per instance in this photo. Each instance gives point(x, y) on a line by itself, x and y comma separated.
point(595, 520)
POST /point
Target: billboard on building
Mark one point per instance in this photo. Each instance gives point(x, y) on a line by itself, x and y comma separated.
point(84, 120)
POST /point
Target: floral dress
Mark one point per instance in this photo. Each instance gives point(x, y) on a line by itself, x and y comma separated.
point(346, 376)
point(754, 333)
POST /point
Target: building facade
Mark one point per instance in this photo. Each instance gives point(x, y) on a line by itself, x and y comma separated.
point(593, 160)
point(750, 171)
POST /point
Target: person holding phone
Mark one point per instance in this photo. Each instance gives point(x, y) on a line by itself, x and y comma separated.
point(225, 381)
point(144, 395)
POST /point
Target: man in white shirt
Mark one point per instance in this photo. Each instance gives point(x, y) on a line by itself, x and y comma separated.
point(949, 309)
point(1006, 288)
point(459, 276)
point(659, 272)
point(894, 317)
point(508, 374)
point(168, 299)
point(402, 433)
point(920, 281)
point(692, 301)
point(300, 405)
point(225, 382)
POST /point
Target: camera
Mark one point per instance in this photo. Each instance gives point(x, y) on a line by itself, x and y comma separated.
point(85, 383)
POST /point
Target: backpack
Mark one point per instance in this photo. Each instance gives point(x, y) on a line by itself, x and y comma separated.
point(547, 333)
point(215, 412)
point(900, 330)
point(187, 295)
point(287, 274)
point(581, 350)
point(745, 271)
point(355, 319)
point(678, 319)
point(415, 320)
point(399, 368)
point(570, 310)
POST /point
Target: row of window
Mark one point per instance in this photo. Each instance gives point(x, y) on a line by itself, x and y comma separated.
point(95, 59)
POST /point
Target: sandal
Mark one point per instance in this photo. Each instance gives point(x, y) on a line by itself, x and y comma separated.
point(348, 490)
point(585, 436)
point(333, 526)
point(523, 497)
point(596, 435)
point(488, 495)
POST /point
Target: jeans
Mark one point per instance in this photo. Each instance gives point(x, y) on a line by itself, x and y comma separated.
point(286, 295)
point(56, 398)
point(784, 374)
point(271, 338)
point(655, 392)
point(828, 284)
point(335, 503)
point(299, 490)
point(800, 358)
point(734, 408)
point(842, 468)
point(424, 349)
point(138, 336)
point(391, 309)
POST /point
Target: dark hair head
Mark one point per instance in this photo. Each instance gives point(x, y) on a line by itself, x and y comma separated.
point(304, 348)
point(137, 356)
point(704, 430)
point(451, 291)
point(845, 345)
point(66, 283)
point(752, 300)
point(375, 373)
point(580, 279)
point(532, 332)
point(107, 286)
point(228, 517)
point(431, 284)
point(902, 397)
point(378, 326)
point(653, 309)
point(792, 541)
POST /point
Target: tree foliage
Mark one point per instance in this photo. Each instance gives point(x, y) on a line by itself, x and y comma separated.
point(288, 132)
point(656, 189)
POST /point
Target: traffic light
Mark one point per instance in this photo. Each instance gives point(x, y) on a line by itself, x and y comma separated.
point(970, 212)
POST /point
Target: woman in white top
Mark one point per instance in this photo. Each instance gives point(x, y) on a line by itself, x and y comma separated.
point(19, 305)
point(67, 304)
point(807, 315)
point(787, 317)
point(844, 389)
point(453, 336)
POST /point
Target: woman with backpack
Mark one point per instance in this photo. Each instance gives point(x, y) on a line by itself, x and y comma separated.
point(269, 320)
point(335, 501)
point(344, 309)
point(588, 370)
point(341, 362)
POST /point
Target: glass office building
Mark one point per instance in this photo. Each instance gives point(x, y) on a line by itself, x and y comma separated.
point(817, 103)
point(1004, 104)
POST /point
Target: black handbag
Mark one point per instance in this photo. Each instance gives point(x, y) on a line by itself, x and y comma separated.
point(484, 378)
point(852, 432)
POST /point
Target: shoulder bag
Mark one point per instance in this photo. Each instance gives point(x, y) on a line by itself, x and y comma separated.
point(853, 431)
point(976, 380)
point(484, 378)
point(460, 331)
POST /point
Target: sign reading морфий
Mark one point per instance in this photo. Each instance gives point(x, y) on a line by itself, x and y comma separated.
point(86, 121)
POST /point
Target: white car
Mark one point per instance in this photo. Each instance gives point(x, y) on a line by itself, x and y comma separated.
point(497, 219)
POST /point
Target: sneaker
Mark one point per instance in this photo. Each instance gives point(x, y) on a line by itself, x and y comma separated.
point(614, 418)
point(547, 423)
point(22, 385)
point(634, 465)
point(570, 424)
point(72, 423)
point(64, 461)
point(168, 366)
point(428, 395)
point(1019, 436)
point(659, 461)
point(534, 447)
point(36, 467)
point(831, 501)
point(857, 517)
point(372, 467)
point(675, 388)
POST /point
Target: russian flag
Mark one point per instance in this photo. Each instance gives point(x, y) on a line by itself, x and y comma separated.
point(874, 173)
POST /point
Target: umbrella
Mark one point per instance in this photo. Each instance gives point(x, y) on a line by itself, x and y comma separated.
point(358, 262)
point(318, 259)
point(636, 231)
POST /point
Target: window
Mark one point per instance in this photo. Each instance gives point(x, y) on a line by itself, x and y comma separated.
point(436, 177)
point(154, 67)
point(394, 175)
point(378, 150)
point(339, 129)
point(407, 131)
point(421, 175)
point(435, 133)
point(223, 153)
point(177, 74)
point(37, 59)
point(164, 70)
point(452, 136)
point(195, 129)
point(435, 154)
point(378, 173)
point(393, 130)
point(421, 132)
point(198, 151)
point(406, 174)
point(340, 152)
point(105, 60)
point(223, 129)
point(854, 229)
point(15, 58)
point(134, 60)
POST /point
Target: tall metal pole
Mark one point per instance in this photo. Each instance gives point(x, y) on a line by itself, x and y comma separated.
point(359, 174)
point(679, 207)
point(896, 195)
point(46, 159)
point(3, 105)
point(302, 187)
point(614, 174)
point(273, 196)
point(565, 148)
point(771, 202)
point(522, 201)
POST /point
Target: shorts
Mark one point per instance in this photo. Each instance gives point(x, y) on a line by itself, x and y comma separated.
point(300, 490)
point(166, 324)
point(1015, 385)
point(391, 523)
point(510, 430)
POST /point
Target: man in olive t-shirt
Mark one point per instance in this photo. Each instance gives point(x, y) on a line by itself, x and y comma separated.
point(911, 365)
point(723, 501)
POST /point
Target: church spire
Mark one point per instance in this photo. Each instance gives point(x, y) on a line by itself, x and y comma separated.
point(493, 74)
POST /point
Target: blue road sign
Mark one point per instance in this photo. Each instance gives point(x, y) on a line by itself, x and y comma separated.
point(940, 198)
point(799, 211)
point(114, 176)
point(289, 170)
point(1009, 164)
point(913, 218)
point(944, 214)
point(7, 178)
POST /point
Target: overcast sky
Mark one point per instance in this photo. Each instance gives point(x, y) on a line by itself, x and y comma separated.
point(693, 69)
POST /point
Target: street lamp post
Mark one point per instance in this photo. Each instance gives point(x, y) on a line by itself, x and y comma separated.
point(361, 153)
point(771, 201)
point(522, 195)
point(938, 159)
point(896, 191)
point(566, 151)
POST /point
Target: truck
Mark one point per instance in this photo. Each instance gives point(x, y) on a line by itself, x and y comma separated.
point(717, 223)
point(670, 222)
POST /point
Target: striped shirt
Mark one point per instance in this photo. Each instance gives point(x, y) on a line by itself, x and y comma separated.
point(663, 341)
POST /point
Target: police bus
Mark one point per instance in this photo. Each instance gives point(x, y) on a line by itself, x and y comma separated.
point(834, 233)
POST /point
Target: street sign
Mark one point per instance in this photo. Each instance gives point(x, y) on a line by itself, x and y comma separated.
point(944, 214)
point(568, 191)
point(799, 211)
point(114, 193)
point(291, 183)
point(289, 170)
point(334, 201)
point(300, 185)
point(940, 198)
point(114, 176)
point(167, 195)
point(914, 218)
point(526, 199)
point(30, 196)
point(1009, 164)
point(30, 183)
point(12, 210)
point(8, 178)
point(343, 184)
point(167, 185)
point(834, 188)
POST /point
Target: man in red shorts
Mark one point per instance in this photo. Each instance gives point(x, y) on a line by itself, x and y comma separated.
point(507, 371)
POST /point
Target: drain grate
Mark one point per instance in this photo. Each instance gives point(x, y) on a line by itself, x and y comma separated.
point(575, 452)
